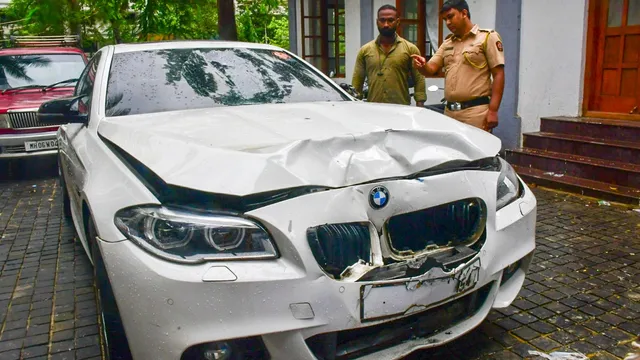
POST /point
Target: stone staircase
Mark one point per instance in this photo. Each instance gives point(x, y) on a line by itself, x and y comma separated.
point(593, 157)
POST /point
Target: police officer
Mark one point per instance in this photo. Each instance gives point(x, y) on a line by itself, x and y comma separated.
point(471, 57)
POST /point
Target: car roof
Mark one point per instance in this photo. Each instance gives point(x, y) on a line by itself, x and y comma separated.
point(186, 44)
point(40, 50)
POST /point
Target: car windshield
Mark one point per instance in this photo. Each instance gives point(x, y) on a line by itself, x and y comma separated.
point(39, 70)
point(177, 79)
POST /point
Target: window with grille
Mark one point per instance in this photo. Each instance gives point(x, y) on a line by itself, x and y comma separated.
point(421, 24)
point(323, 35)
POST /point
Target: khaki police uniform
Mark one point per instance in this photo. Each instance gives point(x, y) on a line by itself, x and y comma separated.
point(467, 64)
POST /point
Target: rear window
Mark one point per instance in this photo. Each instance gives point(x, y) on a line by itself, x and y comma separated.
point(40, 69)
point(178, 79)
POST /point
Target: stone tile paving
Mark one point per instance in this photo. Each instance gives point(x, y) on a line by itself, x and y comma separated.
point(47, 302)
point(581, 293)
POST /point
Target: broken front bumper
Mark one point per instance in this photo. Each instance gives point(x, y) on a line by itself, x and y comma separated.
point(298, 310)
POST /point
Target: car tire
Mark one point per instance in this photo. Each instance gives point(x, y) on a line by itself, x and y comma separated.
point(114, 341)
point(66, 201)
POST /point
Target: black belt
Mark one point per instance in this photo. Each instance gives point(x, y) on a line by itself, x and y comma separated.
point(456, 106)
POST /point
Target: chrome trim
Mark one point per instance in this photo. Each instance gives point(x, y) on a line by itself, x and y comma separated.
point(28, 154)
point(20, 139)
point(16, 140)
point(24, 119)
point(23, 110)
point(14, 149)
point(35, 128)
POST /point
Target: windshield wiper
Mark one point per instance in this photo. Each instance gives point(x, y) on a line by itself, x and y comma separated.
point(43, 87)
point(59, 83)
point(23, 88)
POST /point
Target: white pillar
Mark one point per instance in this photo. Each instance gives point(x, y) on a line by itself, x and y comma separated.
point(352, 36)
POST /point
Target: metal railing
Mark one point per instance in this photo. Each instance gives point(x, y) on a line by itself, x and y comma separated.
point(54, 40)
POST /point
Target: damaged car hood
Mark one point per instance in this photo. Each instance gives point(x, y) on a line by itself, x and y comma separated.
point(251, 149)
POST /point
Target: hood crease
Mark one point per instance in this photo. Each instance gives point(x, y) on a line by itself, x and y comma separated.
point(253, 149)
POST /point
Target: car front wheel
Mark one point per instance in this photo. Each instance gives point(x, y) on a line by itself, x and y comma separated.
point(114, 342)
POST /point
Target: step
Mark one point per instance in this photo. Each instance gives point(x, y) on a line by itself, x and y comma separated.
point(613, 150)
point(611, 172)
point(596, 189)
point(609, 129)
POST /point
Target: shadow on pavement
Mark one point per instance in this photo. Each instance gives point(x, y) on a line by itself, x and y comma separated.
point(35, 168)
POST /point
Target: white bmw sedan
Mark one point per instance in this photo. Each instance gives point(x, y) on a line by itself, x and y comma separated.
point(238, 204)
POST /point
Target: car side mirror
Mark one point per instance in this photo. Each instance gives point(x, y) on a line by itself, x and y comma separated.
point(62, 111)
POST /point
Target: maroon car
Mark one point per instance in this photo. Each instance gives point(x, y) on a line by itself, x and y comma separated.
point(35, 70)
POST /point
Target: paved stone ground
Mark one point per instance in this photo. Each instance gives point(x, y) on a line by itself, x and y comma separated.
point(581, 294)
point(47, 303)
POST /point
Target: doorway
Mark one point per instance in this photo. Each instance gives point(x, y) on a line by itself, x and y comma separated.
point(612, 76)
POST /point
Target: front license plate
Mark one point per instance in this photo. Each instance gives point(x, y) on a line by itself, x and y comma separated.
point(40, 145)
point(383, 301)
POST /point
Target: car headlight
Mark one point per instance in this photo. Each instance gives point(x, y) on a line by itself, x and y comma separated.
point(508, 185)
point(4, 121)
point(191, 237)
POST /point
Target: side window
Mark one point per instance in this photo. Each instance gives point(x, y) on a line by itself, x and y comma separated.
point(85, 84)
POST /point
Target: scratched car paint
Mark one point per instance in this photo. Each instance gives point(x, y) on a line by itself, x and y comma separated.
point(242, 205)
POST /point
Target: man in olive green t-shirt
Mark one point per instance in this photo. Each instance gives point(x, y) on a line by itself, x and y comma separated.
point(387, 64)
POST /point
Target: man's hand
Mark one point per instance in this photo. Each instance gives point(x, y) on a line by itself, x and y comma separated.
point(491, 120)
point(420, 64)
point(497, 88)
point(426, 68)
point(420, 103)
point(418, 61)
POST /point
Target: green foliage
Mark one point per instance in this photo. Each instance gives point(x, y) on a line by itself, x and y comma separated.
point(175, 19)
point(102, 22)
point(43, 17)
point(279, 32)
point(264, 21)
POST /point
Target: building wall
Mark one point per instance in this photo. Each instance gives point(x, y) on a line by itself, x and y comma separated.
point(553, 37)
point(508, 17)
point(293, 25)
point(298, 27)
point(376, 6)
point(352, 35)
point(483, 13)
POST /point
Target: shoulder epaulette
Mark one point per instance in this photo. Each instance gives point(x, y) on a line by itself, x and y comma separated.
point(449, 37)
point(489, 32)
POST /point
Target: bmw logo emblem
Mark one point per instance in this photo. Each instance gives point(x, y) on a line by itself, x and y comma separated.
point(378, 197)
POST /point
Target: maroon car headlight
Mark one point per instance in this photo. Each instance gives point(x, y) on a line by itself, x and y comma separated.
point(190, 237)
